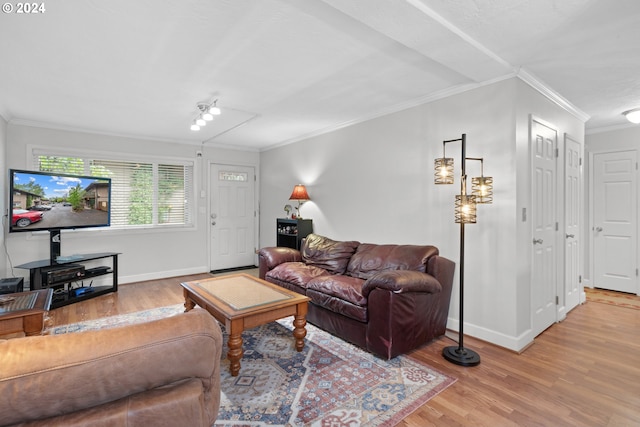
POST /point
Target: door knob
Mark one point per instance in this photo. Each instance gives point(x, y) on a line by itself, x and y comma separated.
point(537, 241)
point(213, 223)
point(569, 236)
point(598, 229)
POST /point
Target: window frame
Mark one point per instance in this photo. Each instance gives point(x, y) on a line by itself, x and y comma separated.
point(93, 155)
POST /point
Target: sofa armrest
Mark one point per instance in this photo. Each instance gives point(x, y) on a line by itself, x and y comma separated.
point(75, 371)
point(401, 319)
point(271, 257)
point(402, 281)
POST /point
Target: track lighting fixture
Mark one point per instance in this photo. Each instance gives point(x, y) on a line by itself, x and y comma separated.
point(214, 109)
point(207, 113)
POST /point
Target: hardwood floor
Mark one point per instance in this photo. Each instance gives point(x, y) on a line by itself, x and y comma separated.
point(129, 298)
point(584, 371)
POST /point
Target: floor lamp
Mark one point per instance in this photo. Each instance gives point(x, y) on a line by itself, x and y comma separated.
point(465, 213)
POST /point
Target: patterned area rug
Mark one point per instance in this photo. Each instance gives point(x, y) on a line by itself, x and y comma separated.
point(619, 299)
point(329, 383)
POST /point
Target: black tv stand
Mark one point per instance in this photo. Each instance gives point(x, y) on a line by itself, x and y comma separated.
point(54, 244)
point(65, 277)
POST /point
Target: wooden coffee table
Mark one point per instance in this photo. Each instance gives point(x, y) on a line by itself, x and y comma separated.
point(23, 312)
point(242, 301)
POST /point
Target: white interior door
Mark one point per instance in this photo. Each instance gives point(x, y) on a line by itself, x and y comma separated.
point(232, 216)
point(544, 143)
point(572, 210)
point(615, 221)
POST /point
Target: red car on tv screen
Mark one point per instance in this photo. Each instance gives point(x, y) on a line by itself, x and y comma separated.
point(23, 218)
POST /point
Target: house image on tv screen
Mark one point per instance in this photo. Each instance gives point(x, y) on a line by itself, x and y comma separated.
point(97, 196)
point(24, 199)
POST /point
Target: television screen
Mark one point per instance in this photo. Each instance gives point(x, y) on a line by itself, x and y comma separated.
point(50, 201)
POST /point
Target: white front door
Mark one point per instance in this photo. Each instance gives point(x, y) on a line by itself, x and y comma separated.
point(572, 210)
point(544, 143)
point(232, 216)
point(615, 221)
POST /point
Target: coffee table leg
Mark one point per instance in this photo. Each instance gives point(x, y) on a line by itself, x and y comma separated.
point(33, 324)
point(299, 322)
point(235, 353)
point(188, 302)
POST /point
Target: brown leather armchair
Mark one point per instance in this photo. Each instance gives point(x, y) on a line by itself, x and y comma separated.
point(161, 373)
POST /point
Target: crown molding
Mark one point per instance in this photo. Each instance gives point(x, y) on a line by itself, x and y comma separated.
point(52, 126)
point(44, 125)
point(554, 96)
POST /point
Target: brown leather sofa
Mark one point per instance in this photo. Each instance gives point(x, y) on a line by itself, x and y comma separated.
point(386, 299)
point(160, 373)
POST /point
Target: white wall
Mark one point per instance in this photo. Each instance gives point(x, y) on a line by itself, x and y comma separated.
point(373, 182)
point(146, 254)
point(626, 138)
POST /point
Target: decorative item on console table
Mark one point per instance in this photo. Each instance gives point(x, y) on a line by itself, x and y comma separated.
point(465, 213)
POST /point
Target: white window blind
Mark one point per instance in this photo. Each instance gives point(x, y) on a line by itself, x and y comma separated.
point(142, 193)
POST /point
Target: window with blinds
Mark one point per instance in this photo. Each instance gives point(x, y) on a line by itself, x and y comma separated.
point(142, 193)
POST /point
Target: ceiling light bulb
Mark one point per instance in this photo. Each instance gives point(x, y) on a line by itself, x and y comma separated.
point(200, 121)
point(633, 115)
point(214, 110)
point(207, 116)
point(195, 127)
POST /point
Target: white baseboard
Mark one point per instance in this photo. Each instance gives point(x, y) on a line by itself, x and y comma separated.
point(514, 343)
point(161, 275)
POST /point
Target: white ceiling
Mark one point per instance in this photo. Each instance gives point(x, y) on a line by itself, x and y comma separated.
point(283, 70)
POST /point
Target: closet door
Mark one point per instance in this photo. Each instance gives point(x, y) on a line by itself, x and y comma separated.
point(572, 210)
point(544, 144)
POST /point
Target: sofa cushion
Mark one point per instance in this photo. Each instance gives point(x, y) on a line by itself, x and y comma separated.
point(340, 294)
point(343, 287)
point(370, 259)
point(297, 274)
point(330, 255)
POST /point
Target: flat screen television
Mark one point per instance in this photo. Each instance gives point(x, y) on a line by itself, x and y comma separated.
point(45, 201)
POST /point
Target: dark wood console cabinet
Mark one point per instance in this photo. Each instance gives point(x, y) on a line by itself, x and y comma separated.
point(290, 232)
point(64, 278)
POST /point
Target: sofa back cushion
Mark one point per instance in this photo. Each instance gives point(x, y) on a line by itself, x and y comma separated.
point(370, 259)
point(331, 255)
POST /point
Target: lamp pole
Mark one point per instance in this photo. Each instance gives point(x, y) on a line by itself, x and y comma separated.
point(459, 354)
